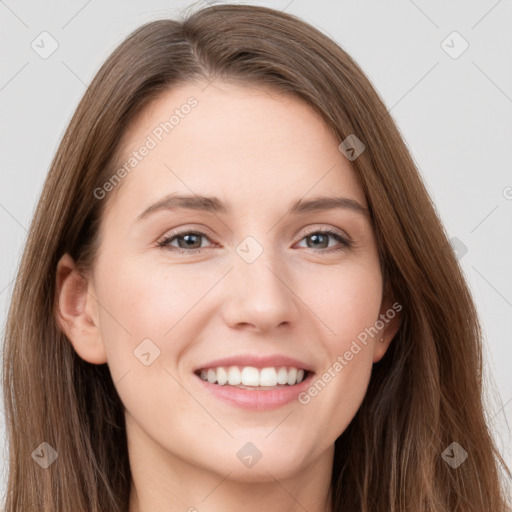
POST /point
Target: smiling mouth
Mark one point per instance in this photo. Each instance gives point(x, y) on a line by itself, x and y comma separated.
point(250, 377)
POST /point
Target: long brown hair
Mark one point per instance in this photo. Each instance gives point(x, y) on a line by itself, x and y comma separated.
point(426, 392)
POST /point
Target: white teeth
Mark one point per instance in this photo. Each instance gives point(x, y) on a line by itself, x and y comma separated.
point(251, 376)
point(268, 377)
point(212, 376)
point(234, 376)
point(222, 376)
point(282, 376)
point(292, 376)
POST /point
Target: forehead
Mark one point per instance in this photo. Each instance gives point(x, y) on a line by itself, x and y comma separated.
point(247, 145)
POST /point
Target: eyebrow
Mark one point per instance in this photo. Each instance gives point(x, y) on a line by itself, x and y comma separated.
point(215, 205)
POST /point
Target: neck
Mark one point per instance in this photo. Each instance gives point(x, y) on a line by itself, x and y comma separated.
point(275, 496)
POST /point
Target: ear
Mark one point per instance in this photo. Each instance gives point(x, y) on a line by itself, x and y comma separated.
point(388, 323)
point(77, 311)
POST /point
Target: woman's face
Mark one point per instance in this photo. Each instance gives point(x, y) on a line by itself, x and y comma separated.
point(181, 284)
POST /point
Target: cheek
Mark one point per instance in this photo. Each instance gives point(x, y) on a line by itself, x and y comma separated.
point(148, 298)
point(156, 302)
point(346, 299)
point(147, 322)
point(347, 303)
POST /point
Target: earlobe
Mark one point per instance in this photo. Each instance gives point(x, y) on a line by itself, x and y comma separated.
point(388, 323)
point(77, 312)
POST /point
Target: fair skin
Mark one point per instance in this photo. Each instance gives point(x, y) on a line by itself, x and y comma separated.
point(258, 151)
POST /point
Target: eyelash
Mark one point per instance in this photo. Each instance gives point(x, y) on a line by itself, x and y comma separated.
point(165, 243)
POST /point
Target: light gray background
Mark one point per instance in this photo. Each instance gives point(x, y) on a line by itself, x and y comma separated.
point(454, 113)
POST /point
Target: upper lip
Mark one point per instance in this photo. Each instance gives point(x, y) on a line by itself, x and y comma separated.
point(255, 361)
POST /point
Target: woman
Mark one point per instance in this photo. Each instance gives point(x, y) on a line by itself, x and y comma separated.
point(179, 336)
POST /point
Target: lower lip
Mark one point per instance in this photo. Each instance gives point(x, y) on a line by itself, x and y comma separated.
point(255, 400)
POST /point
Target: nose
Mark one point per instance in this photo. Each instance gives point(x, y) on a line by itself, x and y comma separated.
point(259, 295)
